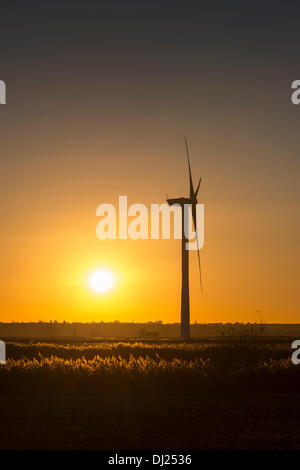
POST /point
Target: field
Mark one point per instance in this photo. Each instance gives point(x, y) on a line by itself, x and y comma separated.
point(223, 394)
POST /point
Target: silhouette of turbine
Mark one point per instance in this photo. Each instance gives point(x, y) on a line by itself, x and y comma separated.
point(185, 295)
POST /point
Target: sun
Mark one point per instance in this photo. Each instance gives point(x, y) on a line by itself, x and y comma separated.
point(101, 280)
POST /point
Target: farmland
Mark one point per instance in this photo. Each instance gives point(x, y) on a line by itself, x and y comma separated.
point(162, 393)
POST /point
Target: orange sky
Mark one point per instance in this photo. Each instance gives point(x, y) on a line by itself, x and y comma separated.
point(49, 243)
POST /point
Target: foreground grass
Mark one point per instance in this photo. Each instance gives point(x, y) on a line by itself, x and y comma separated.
point(226, 351)
point(159, 395)
point(162, 367)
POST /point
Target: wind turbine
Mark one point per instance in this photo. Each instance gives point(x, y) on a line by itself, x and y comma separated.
point(185, 295)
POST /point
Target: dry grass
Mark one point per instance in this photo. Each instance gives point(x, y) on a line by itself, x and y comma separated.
point(158, 367)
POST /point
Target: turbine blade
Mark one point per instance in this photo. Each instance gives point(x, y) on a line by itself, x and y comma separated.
point(198, 251)
point(196, 192)
point(190, 173)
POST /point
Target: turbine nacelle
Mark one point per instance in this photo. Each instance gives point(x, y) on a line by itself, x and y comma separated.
point(179, 201)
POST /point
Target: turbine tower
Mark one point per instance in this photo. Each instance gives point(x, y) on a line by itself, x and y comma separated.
point(185, 295)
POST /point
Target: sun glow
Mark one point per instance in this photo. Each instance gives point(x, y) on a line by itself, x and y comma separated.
point(101, 280)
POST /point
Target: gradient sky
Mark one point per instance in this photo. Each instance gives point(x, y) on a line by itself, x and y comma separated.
point(99, 97)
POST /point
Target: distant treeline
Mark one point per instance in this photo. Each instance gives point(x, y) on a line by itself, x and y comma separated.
point(158, 329)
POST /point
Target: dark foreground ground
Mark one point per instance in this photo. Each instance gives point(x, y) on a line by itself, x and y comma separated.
point(167, 422)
